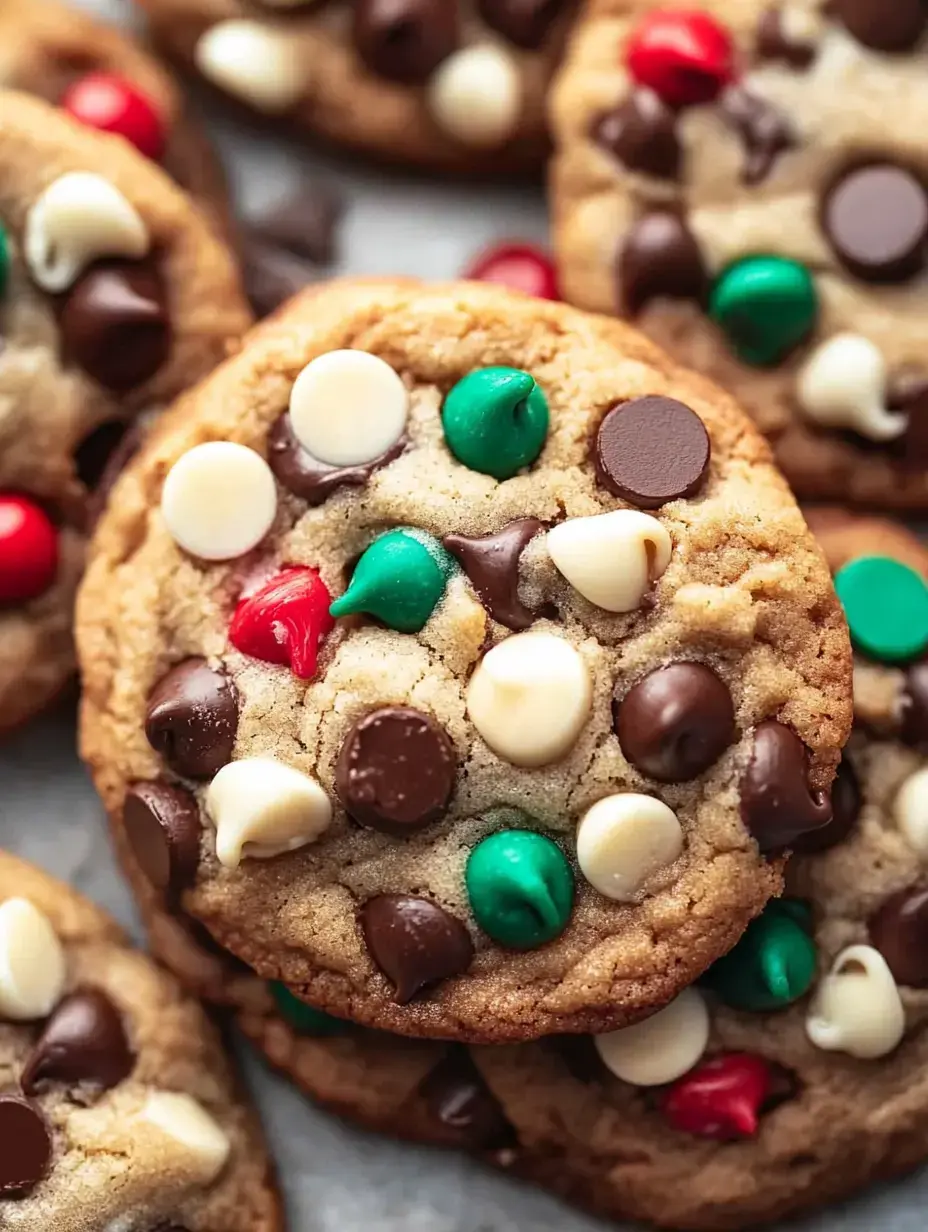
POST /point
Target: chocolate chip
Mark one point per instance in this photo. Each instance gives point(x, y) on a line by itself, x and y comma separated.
point(92, 456)
point(270, 276)
point(876, 219)
point(304, 223)
point(652, 450)
point(899, 930)
point(765, 132)
point(84, 1041)
point(642, 133)
point(909, 394)
point(845, 809)
point(914, 710)
point(115, 323)
point(675, 722)
point(192, 718)
point(775, 42)
point(883, 25)
point(466, 1112)
point(405, 40)
point(129, 444)
point(414, 942)
point(162, 826)
point(491, 562)
point(307, 477)
point(660, 257)
point(776, 803)
point(396, 770)
point(526, 23)
point(26, 1146)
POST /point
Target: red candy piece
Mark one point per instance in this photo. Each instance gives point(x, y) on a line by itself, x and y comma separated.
point(285, 621)
point(521, 267)
point(113, 105)
point(28, 550)
point(683, 55)
point(721, 1098)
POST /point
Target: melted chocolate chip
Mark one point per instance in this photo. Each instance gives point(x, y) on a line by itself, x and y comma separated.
point(899, 930)
point(660, 258)
point(84, 1041)
point(162, 826)
point(876, 219)
point(765, 132)
point(642, 134)
point(845, 808)
point(25, 1146)
point(652, 450)
point(883, 25)
point(405, 40)
point(192, 718)
point(307, 477)
point(775, 42)
point(414, 942)
point(466, 1113)
point(491, 562)
point(776, 803)
point(914, 716)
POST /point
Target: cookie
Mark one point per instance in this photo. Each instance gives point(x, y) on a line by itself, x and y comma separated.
point(391, 732)
point(453, 85)
point(730, 177)
point(118, 1104)
point(116, 296)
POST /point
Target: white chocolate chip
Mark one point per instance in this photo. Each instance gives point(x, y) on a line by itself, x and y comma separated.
point(180, 1117)
point(348, 407)
point(32, 964)
point(78, 218)
point(262, 65)
point(663, 1047)
point(910, 809)
point(857, 1008)
point(262, 807)
point(843, 385)
point(529, 697)
point(476, 95)
point(611, 558)
point(623, 840)
point(219, 500)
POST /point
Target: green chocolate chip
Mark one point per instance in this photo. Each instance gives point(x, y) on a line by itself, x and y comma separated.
point(521, 888)
point(496, 421)
point(765, 306)
point(399, 579)
point(886, 605)
point(303, 1017)
point(772, 965)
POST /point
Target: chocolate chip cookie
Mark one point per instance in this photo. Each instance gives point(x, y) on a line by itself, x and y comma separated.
point(459, 661)
point(733, 178)
point(116, 296)
point(117, 1102)
point(456, 85)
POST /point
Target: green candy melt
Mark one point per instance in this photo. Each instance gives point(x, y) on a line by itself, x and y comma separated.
point(399, 579)
point(495, 421)
point(886, 605)
point(772, 965)
point(521, 888)
point(303, 1017)
point(765, 306)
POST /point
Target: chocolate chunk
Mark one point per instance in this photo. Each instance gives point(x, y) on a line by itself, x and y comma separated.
point(466, 1112)
point(405, 40)
point(776, 803)
point(84, 1041)
point(660, 257)
point(192, 718)
point(899, 930)
point(775, 42)
point(115, 323)
point(876, 219)
point(304, 223)
point(652, 450)
point(883, 25)
point(307, 477)
point(526, 23)
point(845, 808)
point(765, 132)
point(675, 722)
point(25, 1146)
point(642, 133)
point(914, 712)
point(396, 770)
point(162, 826)
point(270, 276)
point(414, 942)
point(491, 562)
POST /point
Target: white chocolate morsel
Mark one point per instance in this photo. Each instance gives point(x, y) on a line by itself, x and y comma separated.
point(348, 407)
point(261, 64)
point(77, 219)
point(843, 385)
point(611, 558)
point(262, 807)
point(180, 1117)
point(219, 500)
point(529, 698)
point(663, 1047)
point(476, 95)
point(32, 963)
point(857, 1008)
point(910, 809)
point(624, 839)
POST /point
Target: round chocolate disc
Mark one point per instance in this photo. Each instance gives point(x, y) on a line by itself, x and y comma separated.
point(876, 219)
point(652, 450)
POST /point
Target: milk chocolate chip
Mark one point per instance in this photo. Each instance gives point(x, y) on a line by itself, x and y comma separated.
point(192, 718)
point(492, 564)
point(405, 40)
point(414, 942)
point(162, 826)
point(84, 1041)
point(776, 803)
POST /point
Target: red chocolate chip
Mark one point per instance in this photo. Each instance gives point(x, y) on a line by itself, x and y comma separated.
point(414, 942)
point(527, 23)
point(845, 808)
point(899, 930)
point(660, 258)
point(521, 267)
point(776, 803)
point(307, 477)
point(876, 219)
point(722, 1098)
point(162, 826)
point(84, 1041)
point(642, 134)
point(28, 550)
point(285, 621)
point(683, 55)
point(111, 104)
point(25, 1146)
point(405, 40)
point(192, 718)
point(652, 450)
point(491, 562)
point(883, 25)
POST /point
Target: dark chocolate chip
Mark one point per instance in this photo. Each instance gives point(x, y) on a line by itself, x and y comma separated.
point(774, 41)
point(676, 722)
point(414, 942)
point(405, 40)
point(270, 276)
point(660, 258)
point(876, 219)
point(526, 23)
point(776, 803)
point(652, 450)
point(491, 562)
point(914, 716)
point(642, 134)
point(899, 930)
point(115, 323)
point(883, 25)
point(84, 1041)
point(909, 394)
point(764, 131)
point(845, 808)
point(162, 826)
point(118, 460)
point(307, 477)
point(93, 454)
point(465, 1111)
point(396, 770)
point(304, 223)
point(25, 1146)
point(192, 718)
